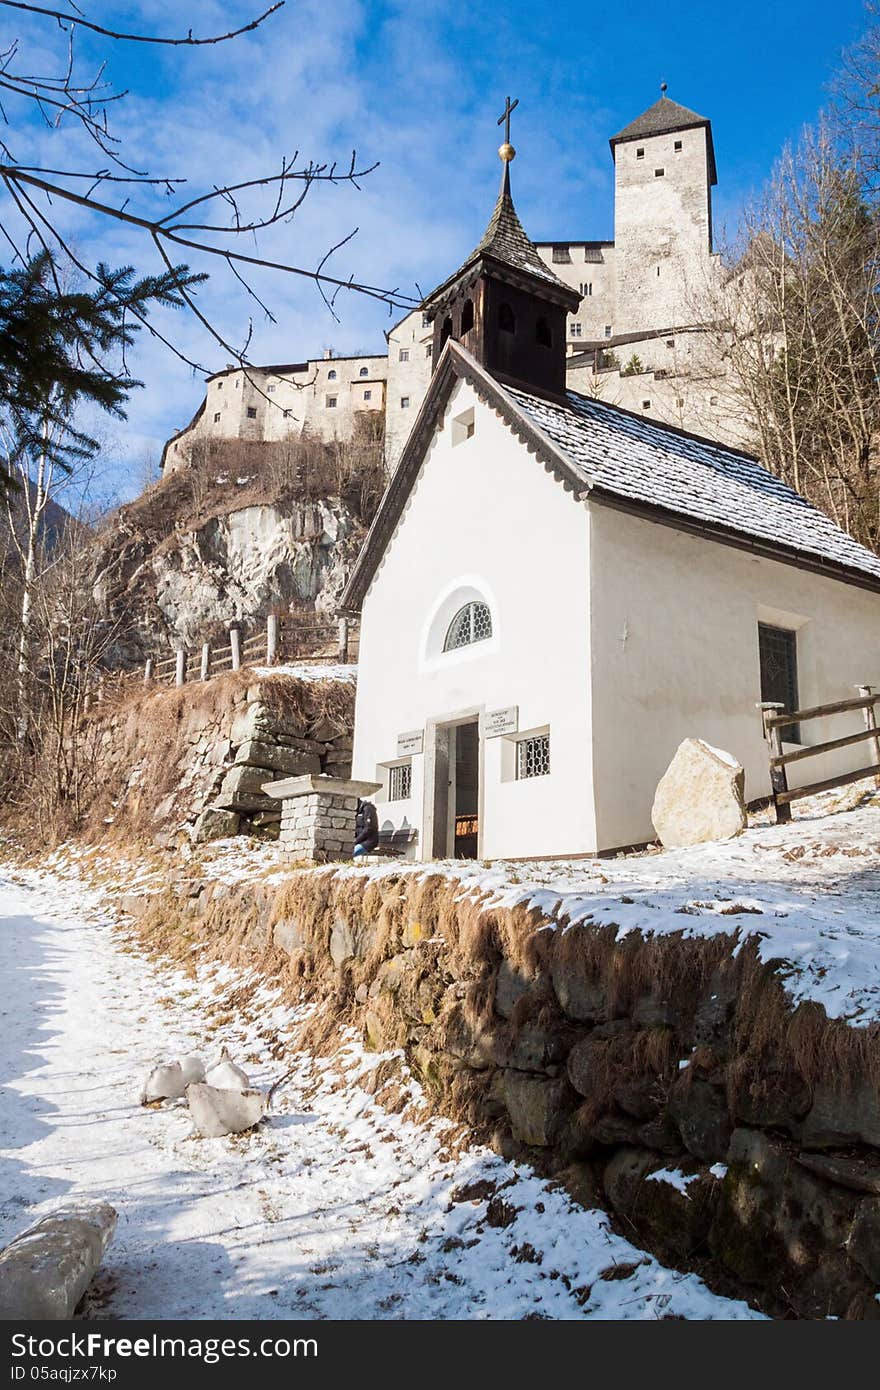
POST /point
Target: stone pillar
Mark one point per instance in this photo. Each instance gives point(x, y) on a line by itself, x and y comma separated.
point(318, 815)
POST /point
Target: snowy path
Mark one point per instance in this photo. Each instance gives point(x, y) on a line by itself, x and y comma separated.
point(334, 1208)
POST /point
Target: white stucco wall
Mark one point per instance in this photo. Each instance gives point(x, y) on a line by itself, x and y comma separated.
point(484, 518)
point(675, 655)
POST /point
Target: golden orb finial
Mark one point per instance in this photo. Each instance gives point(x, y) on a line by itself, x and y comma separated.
point(506, 152)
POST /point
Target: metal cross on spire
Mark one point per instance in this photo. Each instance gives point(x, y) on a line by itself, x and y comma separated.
point(506, 152)
point(504, 118)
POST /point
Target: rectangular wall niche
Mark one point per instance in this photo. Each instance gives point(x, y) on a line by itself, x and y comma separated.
point(462, 426)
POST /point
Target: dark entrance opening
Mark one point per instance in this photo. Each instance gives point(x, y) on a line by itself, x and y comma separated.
point(467, 790)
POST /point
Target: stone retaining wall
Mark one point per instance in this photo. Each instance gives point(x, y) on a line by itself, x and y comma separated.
point(174, 764)
point(669, 1079)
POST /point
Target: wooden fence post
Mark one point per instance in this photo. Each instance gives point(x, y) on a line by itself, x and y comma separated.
point(180, 668)
point(148, 671)
point(778, 779)
point(866, 691)
point(343, 641)
point(271, 639)
point(206, 660)
point(235, 645)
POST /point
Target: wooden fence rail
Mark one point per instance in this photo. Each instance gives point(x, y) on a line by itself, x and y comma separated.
point(867, 700)
point(306, 639)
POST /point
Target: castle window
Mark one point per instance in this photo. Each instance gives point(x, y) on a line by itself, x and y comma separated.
point(270, 389)
point(400, 782)
point(587, 288)
point(561, 255)
point(403, 355)
point(467, 316)
point(543, 336)
point(506, 319)
point(646, 405)
point(364, 371)
point(368, 395)
point(216, 421)
point(331, 375)
point(533, 756)
point(446, 330)
point(576, 330)
point(426, 320)
point(608, 330)
point(252, 412)
point(640, 154)
point(473, 623)
point(678, 147)
point(219, 385)
point(429, 349)
point(670, 342)
point(404, 402)
point(331, 402)
point(658, 173)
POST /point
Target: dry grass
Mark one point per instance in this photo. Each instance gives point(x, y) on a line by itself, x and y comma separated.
point(150, 729)
point(447, 952)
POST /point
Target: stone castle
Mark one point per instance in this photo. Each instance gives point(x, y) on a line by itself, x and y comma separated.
point(637, 339)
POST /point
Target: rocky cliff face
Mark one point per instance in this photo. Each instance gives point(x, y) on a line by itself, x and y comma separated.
point(232, 539)
point(240, 565)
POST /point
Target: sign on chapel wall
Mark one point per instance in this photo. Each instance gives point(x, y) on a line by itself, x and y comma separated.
point(408, 744)
point(497, 722)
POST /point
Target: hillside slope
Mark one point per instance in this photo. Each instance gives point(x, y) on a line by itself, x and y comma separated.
point(247, 528)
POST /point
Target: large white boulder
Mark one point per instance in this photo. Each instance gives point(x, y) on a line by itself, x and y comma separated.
point(226, 1075)
point(216, 1111)
point(45, 1271)
point(700, 796)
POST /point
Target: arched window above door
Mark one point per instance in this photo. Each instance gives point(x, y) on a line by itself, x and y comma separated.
point(472, 623)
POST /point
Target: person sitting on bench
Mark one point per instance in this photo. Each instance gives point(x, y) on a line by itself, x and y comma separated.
point(366, 828)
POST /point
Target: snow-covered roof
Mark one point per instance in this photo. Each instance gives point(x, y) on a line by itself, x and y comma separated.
point(641, 461)
point(610, 455)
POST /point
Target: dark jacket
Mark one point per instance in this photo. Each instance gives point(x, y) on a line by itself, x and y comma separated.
point(366, 825)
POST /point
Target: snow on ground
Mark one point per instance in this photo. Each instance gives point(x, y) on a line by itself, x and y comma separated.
point(676, 1178)
point(310, 671)
point(332, 1209)
point(809, 891)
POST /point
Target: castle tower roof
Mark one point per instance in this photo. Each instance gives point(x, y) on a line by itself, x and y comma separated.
point(663, 118)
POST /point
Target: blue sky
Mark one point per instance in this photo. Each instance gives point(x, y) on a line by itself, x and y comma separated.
point(419, 88)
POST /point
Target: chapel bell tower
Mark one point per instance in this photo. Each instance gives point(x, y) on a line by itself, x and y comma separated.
point(504, 304)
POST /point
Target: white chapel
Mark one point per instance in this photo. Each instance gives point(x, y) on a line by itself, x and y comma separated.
point(556, 592)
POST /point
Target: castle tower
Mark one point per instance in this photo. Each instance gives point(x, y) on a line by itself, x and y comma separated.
point(664, 171)
point(504, 304)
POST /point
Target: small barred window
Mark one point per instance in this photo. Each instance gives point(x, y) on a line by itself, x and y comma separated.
point(533, 756)
point(400, 782)
point(473, 623)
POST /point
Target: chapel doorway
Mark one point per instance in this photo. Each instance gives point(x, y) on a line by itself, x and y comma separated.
point(456, 798)
point(467, 790)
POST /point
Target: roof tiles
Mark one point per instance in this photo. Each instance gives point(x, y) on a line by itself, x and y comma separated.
point(655, 465)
